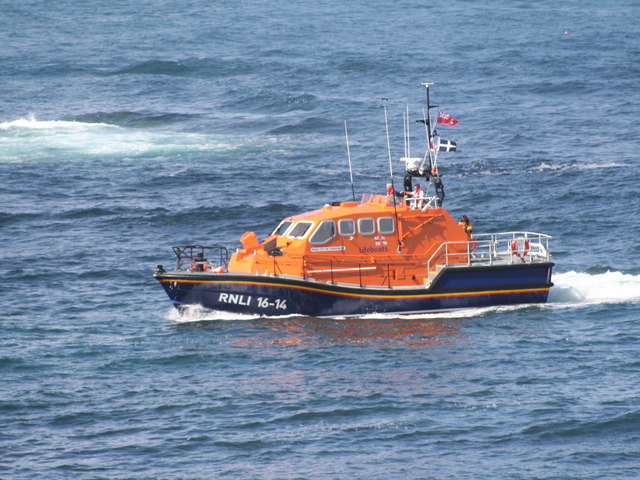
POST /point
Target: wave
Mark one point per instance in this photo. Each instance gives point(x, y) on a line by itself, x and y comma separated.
point(269, 101)
point(587, 288)
point(32, 139)
point(599, 426)
point(24, 125)
point(545, 165)
point(132, 119)
point(197, 313)
point(463, 169)
point(307, 125)
point(194, 67)
point(156, 67)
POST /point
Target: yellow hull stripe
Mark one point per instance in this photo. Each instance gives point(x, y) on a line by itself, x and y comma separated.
point(365, 295)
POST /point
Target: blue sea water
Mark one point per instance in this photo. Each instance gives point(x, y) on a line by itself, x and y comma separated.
point(129, 127)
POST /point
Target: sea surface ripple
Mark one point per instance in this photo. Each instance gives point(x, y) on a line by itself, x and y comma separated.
point(129, 127)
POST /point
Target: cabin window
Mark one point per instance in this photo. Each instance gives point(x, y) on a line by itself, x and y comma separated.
point(282, 228)
point(347, 227)
point(325, 232)
point(386, 225)
point(366, 226)
point(300, 230)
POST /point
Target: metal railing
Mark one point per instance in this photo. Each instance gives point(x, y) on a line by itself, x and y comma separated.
point(491, 248)
point(200, 257)
point(339, 271)
point(482, 250)
point(408, 202)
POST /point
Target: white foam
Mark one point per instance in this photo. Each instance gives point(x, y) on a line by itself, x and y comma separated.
point(28, 138)
point(31, 123)
point(579, 166)
point(584, 288)
point(197, 313)
point(445, 314)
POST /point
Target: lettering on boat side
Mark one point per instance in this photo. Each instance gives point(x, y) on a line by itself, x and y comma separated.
point(373, 250)
point(262, 302)
point(235, 299)
point(328, 249)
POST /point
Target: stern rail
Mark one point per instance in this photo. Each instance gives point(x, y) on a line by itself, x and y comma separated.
point(490, 249)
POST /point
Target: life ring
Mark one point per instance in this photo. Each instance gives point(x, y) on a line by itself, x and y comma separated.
point(219, 269)
point(199, 267)
point(520, 247)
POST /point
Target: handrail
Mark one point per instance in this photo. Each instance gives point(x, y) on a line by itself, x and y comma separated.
point(357, 269)
point(195, 255)
point(491, 248)
point(378, 274)
point(482, 250)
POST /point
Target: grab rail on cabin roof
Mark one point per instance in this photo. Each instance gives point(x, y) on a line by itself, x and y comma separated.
point(389, 200)
point(491, 248)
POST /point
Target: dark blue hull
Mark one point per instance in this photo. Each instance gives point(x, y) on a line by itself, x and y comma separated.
point(454, 288)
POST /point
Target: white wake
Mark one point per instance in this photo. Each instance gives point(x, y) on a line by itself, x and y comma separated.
point(585, 288)
point(28, 139)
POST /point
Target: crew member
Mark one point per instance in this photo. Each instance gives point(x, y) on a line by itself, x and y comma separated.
point(390, 189)
point(407, 183)
point(439, 191)
point(417, 197)
point(199, 263)
point(467, 225)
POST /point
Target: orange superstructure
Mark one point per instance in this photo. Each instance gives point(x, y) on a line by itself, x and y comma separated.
point(380, 241)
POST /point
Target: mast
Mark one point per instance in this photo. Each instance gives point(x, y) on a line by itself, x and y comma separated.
point(346, 135)
point(386, 125)
point(433, 175)
point(428, 125)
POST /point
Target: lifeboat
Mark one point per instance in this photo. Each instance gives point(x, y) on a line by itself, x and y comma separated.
point(398, 253)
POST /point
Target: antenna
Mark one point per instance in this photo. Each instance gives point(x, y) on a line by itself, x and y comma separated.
point(404, 125)
point(346, 134)
point(426, 86)
point(386, 125)
point(395, 207)
point(407, 133)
